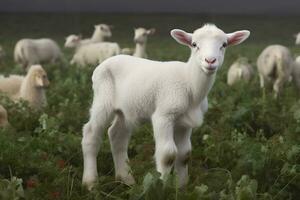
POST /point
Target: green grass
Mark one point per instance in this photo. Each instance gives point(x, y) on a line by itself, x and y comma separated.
point(247, 148)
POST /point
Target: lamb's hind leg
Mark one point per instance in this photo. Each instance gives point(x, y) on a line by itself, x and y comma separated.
point(92, 136)
point(184, 146)
point(119, 134)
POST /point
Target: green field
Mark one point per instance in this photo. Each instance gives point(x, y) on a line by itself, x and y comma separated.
point(248, 147)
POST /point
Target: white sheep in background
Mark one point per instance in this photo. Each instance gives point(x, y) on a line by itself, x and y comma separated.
point(239, 70)
point(173, 95)
point(140, 39)
point(275, 64)
point(30, 88)
point(35, 51)
point(297, 36)
point(94, 53)
point(2, 52)
point(101, 33)
point(3, 117)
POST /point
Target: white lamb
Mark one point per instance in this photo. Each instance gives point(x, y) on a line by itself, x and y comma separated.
point(297, 36)
point(101, 33)
point(94, 53)
point(173, 95)
point(140, 39)
point(239, 70)
point(275, 64)
point(30, 88)
point(35, 51)
point(3, 117)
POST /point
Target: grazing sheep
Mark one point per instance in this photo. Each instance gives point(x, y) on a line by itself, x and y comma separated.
point(297, 36)
point(35, 51)
point(2, 52)
point(94, 53)
point(239, 70)
point(140, 39)
point(173, 95)
point(30, 88)
point(275, 64)
point(3, 117)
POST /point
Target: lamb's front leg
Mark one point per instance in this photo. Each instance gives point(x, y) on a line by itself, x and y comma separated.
point(182, 139)
point(165, 148)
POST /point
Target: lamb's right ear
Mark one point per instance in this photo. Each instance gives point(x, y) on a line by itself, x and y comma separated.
point(182, 37)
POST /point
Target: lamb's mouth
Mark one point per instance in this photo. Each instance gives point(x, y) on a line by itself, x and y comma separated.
point(209, 70)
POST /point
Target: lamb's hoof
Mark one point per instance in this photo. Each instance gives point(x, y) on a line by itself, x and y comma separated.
point(88, 184)
point(128, 179)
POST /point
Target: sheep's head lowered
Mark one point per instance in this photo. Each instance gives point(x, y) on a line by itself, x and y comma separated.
point(208, 45)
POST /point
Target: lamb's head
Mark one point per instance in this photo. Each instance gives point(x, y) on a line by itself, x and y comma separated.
point(3, 116)
point(141, 34)
point(208, 45)
point(104, 30)
point(297, 36)
point(72, 41)
point(39, 76)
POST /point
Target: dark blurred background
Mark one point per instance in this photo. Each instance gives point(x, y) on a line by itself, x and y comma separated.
point(270, 7)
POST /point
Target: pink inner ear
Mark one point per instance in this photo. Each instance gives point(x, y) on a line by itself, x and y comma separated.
point(235, 38)
point(183, 38)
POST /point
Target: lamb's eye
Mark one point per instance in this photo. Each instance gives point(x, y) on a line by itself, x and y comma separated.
point(224, 45)
point(194, 44)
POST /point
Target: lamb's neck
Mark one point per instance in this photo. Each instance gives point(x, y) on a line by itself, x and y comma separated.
point(200, 82)
point(97, 37)
point(140, 49)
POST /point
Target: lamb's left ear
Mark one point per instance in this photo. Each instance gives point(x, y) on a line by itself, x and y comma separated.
point(182, 37)
point(237, 37)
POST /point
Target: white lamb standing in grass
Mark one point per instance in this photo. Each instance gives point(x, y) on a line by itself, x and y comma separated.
point(3, 117)
point(173, 95)
point(241, 69)
point(275, 64)
point(297, 36)
point(140, 39)
point(36, 51)
point(30, 88)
